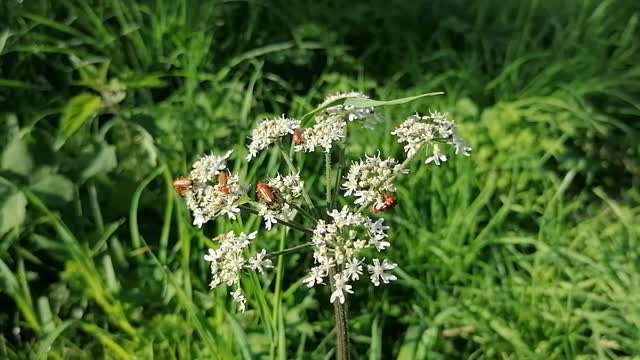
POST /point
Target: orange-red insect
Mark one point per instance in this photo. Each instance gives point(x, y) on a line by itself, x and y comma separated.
point(223, 181)
point(265, 193)
point(182, 184)
point(389, 202)
point(297, 137)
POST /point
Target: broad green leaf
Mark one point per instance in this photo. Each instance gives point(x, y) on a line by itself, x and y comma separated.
point(4, 36)
point(78, 111)
point(53, 189)
point(13, 207)
point(97, 157)
point(16, 157)
point(362, 102)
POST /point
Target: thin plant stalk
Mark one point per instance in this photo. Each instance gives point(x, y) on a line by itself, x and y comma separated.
point(295, 170)
point(302, 211)
point(291, 250)
point(290, 224)
point(339, 309)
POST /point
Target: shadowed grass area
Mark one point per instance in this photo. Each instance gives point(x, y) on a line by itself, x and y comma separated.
point(526, 249)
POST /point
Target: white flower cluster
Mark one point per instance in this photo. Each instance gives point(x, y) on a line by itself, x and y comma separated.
point(348, 112)
point(269, 131)
point(337, 248)
point(208, 167)
point(368, 180)
point(207, 198)
point(342, 241)
point(419, 130)
point(227, 262)
point(326, 131)
point(286, 189)
point(331, 123)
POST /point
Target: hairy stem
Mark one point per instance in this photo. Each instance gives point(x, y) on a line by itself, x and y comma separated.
point(302, 212)
point(290, 224)
point(340, 165)
point(327, 173)
point(339, 309)
point(342, 326)
point(290, 250)
point(277, 308)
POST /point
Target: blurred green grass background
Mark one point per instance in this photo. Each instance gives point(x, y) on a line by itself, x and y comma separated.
point(527, 249)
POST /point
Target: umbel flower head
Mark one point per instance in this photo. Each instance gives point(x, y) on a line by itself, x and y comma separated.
point(369, 180)
point(228, 261)
point(327, 130)
point(268, 132)
point(286, 190)
point(338, 246)
point(418, 130)
point(208, 198)
point(347, 245)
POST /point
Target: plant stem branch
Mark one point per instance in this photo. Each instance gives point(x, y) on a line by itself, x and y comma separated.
point(342, 326)
point(290, 224)
point(327, 173)
point(339, 309)
point(302, 212)
point(290, 250)
point(294, 169)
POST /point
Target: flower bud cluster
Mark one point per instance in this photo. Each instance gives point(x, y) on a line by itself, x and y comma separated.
point(369, 180)
point(436, 127)
point(338, 247)
point(286, 189)
point(268, 132)
point(227, 262)
point(207, 199)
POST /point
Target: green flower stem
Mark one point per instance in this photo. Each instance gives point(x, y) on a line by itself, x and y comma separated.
point(327, 173)
point(277, 308)
point(295, 170)
point(290, 224)
point(290, 250)
point(342, 325)
point(339, 309)
point(301, 211)
point(339, 168)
